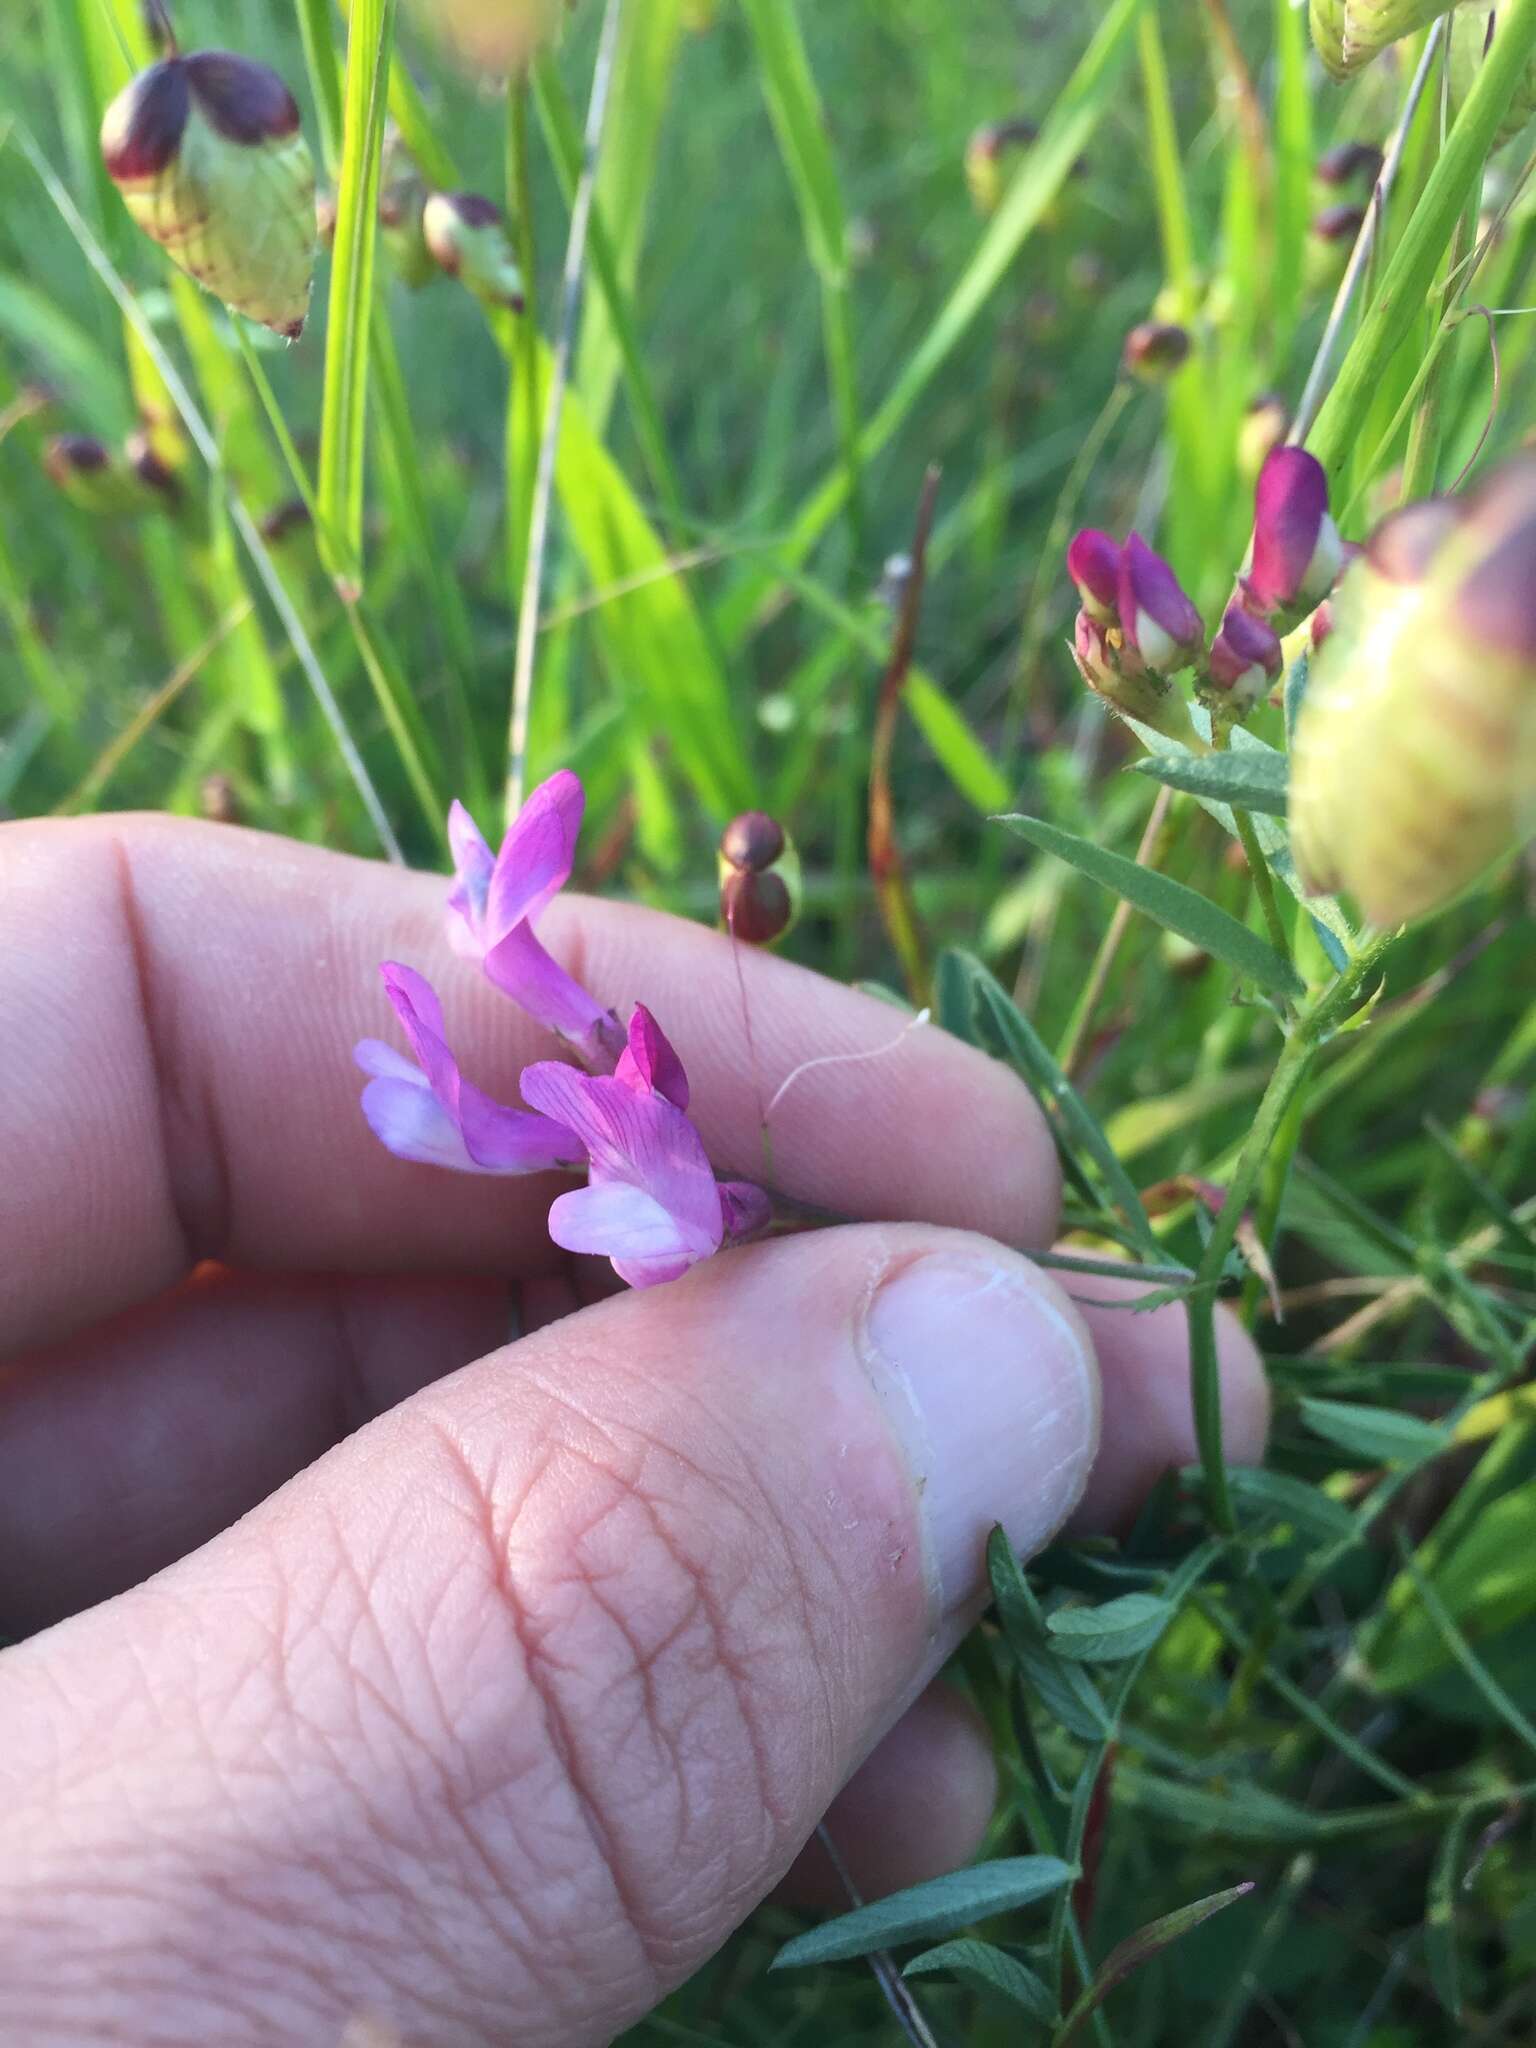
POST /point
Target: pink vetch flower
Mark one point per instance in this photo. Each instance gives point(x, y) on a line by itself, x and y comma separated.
point(1093, 563)
point(652, 1204)
point(1158, 620)
point(1245, 659)
point(427, 1111)
point(496, 900)
point(1297, 552)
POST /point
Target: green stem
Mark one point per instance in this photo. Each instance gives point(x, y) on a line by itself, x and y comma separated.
point(842, 376)
point(1071, 1049)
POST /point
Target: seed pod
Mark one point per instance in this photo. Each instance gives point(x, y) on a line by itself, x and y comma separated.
point(210, 159)
point(1245, 659)
point(756, 908)
point(402, 206)
point(1349, 33)
point(468, 239)
point(752, 842)
point(1154, 350)
point(1414, 761)
point(1327, 17)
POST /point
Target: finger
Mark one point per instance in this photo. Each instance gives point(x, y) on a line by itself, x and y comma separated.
point(179, 1082)
point(1149, 1417)
point(118, 1458)
point(493, 1723)
point(917, 1807)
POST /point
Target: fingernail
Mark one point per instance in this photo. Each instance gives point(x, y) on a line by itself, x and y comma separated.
point(992, 1384)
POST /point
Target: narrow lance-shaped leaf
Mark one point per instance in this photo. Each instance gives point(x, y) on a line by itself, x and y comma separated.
point(1141, 1947)
point(1112, 1632)
point(1180, 909)
point(1253, 781)
point(928, 1911)
point(1383, 1436)
point(992, 1969)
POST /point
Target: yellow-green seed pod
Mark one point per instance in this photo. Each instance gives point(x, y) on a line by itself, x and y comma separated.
point(1349, 33)
point(210, 159)
point(468, 238)
point(1414, 761)
point(1327, 17)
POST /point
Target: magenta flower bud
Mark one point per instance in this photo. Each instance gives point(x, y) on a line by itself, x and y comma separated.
point(752, 842)
point(1156, 617)
point(1340, 223)
point(1350, 163)
point(1154, 350)
point(1245, 659)
point(1093, 563)
point(467, 237)
point(757, 909)
point(1297, 553)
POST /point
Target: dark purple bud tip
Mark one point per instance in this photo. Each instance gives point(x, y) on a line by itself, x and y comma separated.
point(473, 210)
point(142, 129)
point(756, 908)
point(1337, 224)
point(217, 801)
point(1093, 563)
point(289, 517)
point(244, 101)
point(155, 475)
point(1155, 349)
point(752, 842)
point(997, 136)
point(1246, 652)
point(1156, 616)
point(1349, 163)
point(1408, 540)
point(73, 455)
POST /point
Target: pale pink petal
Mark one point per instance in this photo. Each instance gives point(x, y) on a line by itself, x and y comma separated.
point(620, 1222)
point(473, 863)
point(536, 856)
point(648, 1064)
point(521, 969)
point(495, 1139)
point(407, 1118)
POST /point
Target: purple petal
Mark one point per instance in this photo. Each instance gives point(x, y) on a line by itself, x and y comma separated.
point(536, 856)
point(625, 1224)
point(746, 1209)
point(1244, 643)
point(1291, 529)
point(1157, 618)
point(642, 1140)
point(473, 863)
point(521, 969)
point(495, 1139)
point(1093, 563)
point(648, 1064)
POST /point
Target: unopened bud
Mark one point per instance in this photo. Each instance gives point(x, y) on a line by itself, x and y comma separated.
point(468, 239)
point(291, 517)
point(1093, 563)
point(1117, 673)
point(494, 36)
point(1413, 766)
point(156, 476)
point(1348, 164)
point(756, 908)
point(1245, 659)
point(1157, 618)
point(1297, 552)
point(985, 157)
point(1331, 236)
point(1263, 429)
point(752, 842)
point(217, 801)
point(1154, 350)
point(83, 469)
point(210, 159)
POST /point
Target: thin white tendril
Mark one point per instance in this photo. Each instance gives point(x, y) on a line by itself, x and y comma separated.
point(842, 1059)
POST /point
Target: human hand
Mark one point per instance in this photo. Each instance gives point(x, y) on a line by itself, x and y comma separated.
point(530, 1669)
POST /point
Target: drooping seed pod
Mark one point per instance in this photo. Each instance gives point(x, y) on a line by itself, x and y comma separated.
point(211, 162)
point(1245, 659)
point(986, 155)
point(1297, 552)
point(1154, 350)
point(494, 37)
point(1158, 620)
point(1349, 166)
point(759, 879)
point(468, 239)
point(1093, 563)
point(1414, 759)
point(1263, 429)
